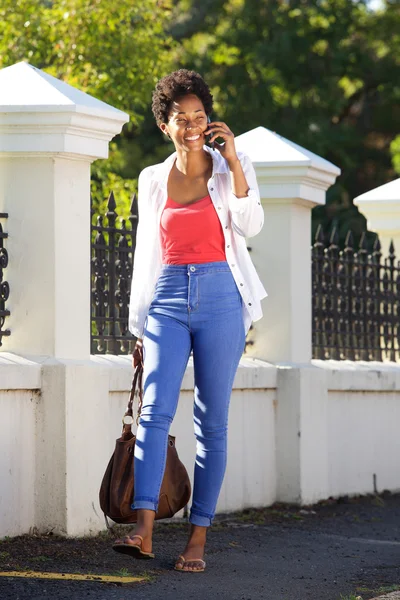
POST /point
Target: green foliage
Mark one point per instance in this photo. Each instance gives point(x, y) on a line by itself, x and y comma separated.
point(115, 51)
point(395, 150)
point(112, 50)
point(323, 73)
point(110, 175)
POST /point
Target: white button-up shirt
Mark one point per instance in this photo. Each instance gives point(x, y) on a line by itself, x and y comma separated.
point(239, 218)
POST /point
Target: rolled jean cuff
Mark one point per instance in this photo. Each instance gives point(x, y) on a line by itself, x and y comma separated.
point(200, 519)
point(143, 502)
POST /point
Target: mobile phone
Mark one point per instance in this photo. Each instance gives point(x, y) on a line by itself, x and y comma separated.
point(212, 144)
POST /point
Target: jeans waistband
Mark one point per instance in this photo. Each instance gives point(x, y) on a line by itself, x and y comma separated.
point(198, 268)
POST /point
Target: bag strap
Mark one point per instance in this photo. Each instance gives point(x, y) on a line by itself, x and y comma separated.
point(137, 386)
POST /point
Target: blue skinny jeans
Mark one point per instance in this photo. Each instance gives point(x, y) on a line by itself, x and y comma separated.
point(196, 307)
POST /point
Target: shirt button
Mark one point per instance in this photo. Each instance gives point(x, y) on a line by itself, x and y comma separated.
point(219, 207)
point(249, 303)
point(232, 265)
point(212, 189)
point(228, 246)
point(241, 284)
point(226, 226)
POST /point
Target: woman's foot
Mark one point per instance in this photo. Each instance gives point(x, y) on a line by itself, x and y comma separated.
point(187, 565)
point(135, 545)
point(137, 537)
point(138, 543)
point(191, 561)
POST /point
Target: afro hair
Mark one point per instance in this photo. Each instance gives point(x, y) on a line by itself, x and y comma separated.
point(175, 85)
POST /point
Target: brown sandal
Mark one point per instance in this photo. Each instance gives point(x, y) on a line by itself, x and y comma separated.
point(183, 560)
point(135, 550)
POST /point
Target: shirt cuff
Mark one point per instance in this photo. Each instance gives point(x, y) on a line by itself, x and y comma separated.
point(239, 205)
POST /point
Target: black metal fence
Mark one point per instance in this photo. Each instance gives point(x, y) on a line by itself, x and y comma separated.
point(356, 301)
point(113, 245)
point(355, 294)
point(4, 286)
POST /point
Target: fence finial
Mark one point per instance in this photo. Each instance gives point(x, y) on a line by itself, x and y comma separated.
point(349, 241)
point(134, 205)
point(319, 236)
point(111, 204)
point(334, 237)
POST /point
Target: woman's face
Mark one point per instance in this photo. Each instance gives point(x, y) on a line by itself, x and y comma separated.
point(187, 123)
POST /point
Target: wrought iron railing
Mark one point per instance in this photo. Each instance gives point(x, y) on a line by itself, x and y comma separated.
point(4, 286)
point(113, 245)
point(356, 301)
point(355, 293)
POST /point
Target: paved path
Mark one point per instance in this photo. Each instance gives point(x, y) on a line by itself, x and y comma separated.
point(281, 553)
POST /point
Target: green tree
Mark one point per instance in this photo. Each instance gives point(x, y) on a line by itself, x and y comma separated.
point(395, 150)
point(114, 51)
point(323, 73)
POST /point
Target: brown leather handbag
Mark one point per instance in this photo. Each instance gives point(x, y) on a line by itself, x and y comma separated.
point(116, 490)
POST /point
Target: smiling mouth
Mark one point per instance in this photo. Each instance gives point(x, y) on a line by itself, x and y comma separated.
point(192, 138)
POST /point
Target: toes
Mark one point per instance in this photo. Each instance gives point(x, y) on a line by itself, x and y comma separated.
point(193, 566)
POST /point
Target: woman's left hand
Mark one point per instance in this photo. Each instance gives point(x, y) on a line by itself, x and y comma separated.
point(217, 129)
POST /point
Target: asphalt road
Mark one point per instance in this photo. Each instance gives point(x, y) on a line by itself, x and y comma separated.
point(350, 547)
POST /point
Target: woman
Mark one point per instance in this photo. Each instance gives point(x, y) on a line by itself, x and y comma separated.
point(194, 289)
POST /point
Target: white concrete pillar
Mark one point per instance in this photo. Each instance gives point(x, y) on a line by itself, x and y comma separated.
point(50, 133)
point(292, 181)
point(381, 206)
point(301, 434)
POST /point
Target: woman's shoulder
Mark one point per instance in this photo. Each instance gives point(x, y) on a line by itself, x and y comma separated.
point(158, 170)
point(148, 172)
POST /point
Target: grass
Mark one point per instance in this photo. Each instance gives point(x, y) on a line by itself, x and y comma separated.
point(384, 589)
point(378, 501)
point(40, 558)
point(122, 573)
point(388, 588)
point(259, 516)
point(145, 575)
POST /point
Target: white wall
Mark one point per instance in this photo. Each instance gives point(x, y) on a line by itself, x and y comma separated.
point(17, 461)
point(340, 427)
point(54, 452)
point(19, 398)
point(363, 427)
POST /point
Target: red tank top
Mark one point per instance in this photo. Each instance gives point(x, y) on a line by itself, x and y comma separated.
point(191, 233)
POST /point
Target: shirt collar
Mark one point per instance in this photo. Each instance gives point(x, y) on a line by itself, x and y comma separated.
point(162, 170)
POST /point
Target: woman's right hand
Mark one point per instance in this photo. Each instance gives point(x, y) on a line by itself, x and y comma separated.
point(137, 356)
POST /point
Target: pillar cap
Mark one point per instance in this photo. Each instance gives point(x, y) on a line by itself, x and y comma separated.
point(285, 169)
point(381, 206)
point(389, 192)
point(42, 114)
